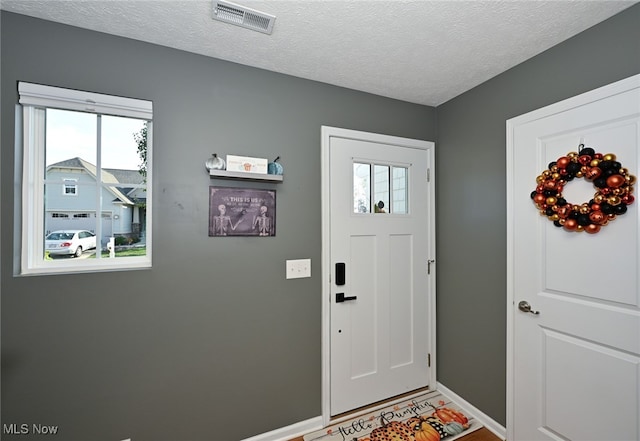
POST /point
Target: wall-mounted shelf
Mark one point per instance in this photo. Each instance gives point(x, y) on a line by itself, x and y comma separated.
point(224, 174)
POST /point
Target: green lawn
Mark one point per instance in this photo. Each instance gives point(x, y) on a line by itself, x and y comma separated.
point(126, 253)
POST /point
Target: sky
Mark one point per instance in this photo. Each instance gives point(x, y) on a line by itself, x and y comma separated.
point(73, 134)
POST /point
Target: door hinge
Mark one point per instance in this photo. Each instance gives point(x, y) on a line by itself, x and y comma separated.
point(429, 262)
point(428, 360)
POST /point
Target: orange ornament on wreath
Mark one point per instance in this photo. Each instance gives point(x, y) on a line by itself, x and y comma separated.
point(614, 193)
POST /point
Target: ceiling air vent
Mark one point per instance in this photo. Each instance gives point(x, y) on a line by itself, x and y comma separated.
point(243, 16)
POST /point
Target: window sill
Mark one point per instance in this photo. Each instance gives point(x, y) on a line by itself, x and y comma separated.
point(79, 266)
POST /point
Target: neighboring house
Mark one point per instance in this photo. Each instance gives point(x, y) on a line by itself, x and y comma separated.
point(71, 199)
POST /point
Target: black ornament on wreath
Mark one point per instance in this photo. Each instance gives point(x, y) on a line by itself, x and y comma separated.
point(614, 186)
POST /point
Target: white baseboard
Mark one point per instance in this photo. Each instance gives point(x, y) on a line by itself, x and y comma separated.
point(289, 432)
point(488, 422)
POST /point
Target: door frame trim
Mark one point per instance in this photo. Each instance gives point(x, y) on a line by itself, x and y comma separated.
point(600, 93)
point(327, 133)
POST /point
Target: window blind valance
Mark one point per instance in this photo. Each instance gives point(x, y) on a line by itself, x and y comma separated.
point(39, 95)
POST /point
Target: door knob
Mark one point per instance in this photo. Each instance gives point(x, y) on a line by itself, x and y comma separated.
point(524, 306)
point(341, 298)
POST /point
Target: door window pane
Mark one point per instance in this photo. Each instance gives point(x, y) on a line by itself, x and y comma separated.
point(381, 188)
point(400, 193)
point(361, 188)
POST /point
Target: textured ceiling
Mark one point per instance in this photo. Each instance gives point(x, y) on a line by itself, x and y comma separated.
point(424, 52)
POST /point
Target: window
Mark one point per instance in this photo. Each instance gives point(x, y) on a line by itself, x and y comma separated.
point(100, 148)
point(387, 183)
point(70, 187)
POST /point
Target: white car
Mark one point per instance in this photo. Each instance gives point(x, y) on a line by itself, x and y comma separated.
point(69, 242)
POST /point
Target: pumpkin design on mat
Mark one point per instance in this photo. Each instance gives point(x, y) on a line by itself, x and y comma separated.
point(453, 428)
point(392, 431)
point(438, 425)
point(423, 430)
point(447, 415)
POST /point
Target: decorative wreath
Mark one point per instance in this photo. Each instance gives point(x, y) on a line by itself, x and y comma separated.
point(614, 190)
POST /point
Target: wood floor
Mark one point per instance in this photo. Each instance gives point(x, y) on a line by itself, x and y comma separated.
point(482, 434)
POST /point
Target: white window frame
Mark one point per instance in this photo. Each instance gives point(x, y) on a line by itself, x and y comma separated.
point(69, 183)
point(34, 100)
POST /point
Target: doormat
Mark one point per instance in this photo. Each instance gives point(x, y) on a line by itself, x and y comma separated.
point(429, 417)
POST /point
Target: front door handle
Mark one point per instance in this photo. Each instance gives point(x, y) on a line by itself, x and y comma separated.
point(341, 298)
point(524, 306)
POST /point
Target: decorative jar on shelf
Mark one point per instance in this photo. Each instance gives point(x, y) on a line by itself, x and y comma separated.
point(274, 168)
point(215, 162)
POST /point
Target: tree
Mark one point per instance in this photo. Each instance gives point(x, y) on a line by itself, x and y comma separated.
point(141, 139)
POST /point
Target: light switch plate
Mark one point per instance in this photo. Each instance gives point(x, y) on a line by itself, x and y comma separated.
point(298, 268)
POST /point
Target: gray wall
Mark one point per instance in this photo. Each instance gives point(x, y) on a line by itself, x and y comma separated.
point(212, 343)
point(471, 197)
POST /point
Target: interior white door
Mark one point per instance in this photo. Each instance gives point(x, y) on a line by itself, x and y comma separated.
point(380, 316)
point(574, 360)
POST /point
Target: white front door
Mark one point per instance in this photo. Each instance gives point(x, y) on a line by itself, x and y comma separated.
point(380, 294)
point(574, 359)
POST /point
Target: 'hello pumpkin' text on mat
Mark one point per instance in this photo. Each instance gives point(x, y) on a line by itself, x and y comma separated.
point(430, 417)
